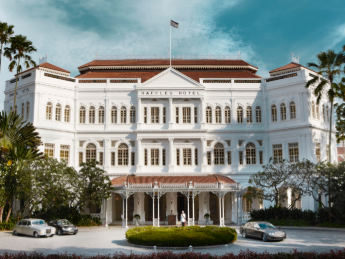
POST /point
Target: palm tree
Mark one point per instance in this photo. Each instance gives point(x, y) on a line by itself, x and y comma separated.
point(19, 50)
point(6, 31)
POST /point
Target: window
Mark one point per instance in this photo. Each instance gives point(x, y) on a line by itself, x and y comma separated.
point(196, 160)
point(112, 158)
point(49, 150)
point(283, 111)
point(23, 109)
point(58, 112)
point(327, 152)
point(327, 113)
point(258, 114)
point(64, 153)
point(278, 153)
point(113, 114)
point(240, 156)
point(318, 153)
point(67, 112)
point(323, 113)
point(132, 114)
point(164, 115)
point(100, 158)
point(187, 156)
point(209, 157)
point(317, 111)
point(186, 115)
point(154, 115)
point(229, 157)
point(250, 154)
point(274, 112)
point(261, 157)
point(122, 157)
point(90, 152)
point(227, 114)
point(82, 115)
point(101, 115)
point(132, 159)
point(145, 156)
point(80, 158)
point(292, 110)
point(27, 110)
point(249, 115)
point(218, 115)
point(313, 109)
point(164, 156)
point(293, 152)
point(154, 156)
point(177, 115)
point(145, 115)
point(195, 115)
point(92, 115)
point(123, 115)
point(239, 114)
point(208, 114)
point(177, 156)
point(218, 154)
point(49, 111)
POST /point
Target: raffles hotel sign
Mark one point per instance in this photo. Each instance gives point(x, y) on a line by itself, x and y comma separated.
point(170, 93)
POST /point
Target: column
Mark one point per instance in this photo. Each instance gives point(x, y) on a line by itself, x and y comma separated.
point(107, 111)
point(222, 110)
point(139, 113)
point(153, 208)
point(202, 112)
point(171, 113)
point(171, 154)
point(149, 157)
point(239, 209)
point(128, 112)
point(126, 210)
point(158, 209)
point(193, 156)
point(160, 119)
point(192, 115)
point(123, 211)
point(160, 156)
point(234, 217)
point(223, 211)
point(193, 209)
point(220, 210)
point(203, 155)
point(139, 154)
point(233, 111)
point(181, 156)
point(106, 154)
point(188, 207)
point(180, 115)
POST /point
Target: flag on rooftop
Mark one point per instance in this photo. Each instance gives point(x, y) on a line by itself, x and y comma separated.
point(173, 24)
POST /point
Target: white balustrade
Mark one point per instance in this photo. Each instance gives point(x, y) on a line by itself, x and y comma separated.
point(173, 185)
point(246, 216)
point(230, 185)
point(205, 185)
point(140, 185)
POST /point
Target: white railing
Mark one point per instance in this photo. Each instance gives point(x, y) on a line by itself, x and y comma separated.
point(173, 185)
point(140, 185)
point(246, 216)
point(230, 185)
point(185, 57)
point(118, 185)
point(206, 185)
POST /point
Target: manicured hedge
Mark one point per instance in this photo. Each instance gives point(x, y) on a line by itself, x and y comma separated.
point(340, 254)
point(181, 236)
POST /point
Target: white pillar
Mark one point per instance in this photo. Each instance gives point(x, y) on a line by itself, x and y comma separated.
point(193, 210)
point(240, 211)
point(171, 154)
point(203, 154)
point(171, 113)
point(220, 210)
point(153, 209)
point(202, 111)
point(223, 211)
point(139, 154)
point(139, 111)
point(160, 156)
point(157, 209)
point(126, 210)
point(188, 207)
point(123, 211)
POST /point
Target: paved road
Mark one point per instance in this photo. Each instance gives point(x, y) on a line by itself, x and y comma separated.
point(111, 240)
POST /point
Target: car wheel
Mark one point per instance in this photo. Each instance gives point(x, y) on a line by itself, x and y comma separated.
point(244, 234)
point(59, 232)
point(264, 237)
point(52, 236)
point(15, 233)
point(74, 233)
point(36, 235)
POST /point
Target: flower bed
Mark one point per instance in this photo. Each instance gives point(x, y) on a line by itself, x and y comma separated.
point(181, 236)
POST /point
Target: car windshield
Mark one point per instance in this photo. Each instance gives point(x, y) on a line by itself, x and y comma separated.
point(63, 222)
point(38, 222)
point(265, 226)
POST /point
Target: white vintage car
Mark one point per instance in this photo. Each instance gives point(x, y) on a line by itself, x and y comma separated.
point(33, 227)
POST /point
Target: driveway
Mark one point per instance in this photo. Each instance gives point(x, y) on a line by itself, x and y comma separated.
point(90, 241)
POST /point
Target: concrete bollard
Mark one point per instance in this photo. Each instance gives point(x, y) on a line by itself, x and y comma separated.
point(154, 249)
point(190, 248)
point(226, 248)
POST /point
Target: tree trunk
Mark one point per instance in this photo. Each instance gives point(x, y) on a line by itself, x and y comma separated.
point(15, 89)
point(1, 213)
point(330, 160)
point(0, 61)
point(9, 213)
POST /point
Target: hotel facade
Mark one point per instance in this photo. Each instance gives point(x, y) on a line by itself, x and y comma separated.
point(185, 137)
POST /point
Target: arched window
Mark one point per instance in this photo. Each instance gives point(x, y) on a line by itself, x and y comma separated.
point(122, 156)
point(82, 113)
point(123, 115)
point(317, 111)
point(239, 114)
point(327, 113)
point(92, 115)
point(23, 109)
point(249, 114)
point(27, 110)
point(58, 112)
point(113, 115)
point(283, 111)
point(218, 115)
point(250, 154)
point(274, 112)
point(323, 113)
point(67, 112)
point(258, 114)
point(313, 109)
point(292, 110)
point(218, 154)
point(132, 115)
point(49, 111)
point(101, 115)
point(227, 114)
point(90, 152)
point(208, 114)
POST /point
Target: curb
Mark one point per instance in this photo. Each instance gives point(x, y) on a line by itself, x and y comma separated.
point(313, 228)
point(178, 248)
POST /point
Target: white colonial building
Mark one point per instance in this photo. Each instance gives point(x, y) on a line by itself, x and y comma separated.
point(186, 137)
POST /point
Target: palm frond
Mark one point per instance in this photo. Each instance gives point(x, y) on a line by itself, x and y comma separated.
point(312, 81)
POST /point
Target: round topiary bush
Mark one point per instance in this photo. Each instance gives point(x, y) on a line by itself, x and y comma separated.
point(181, 236)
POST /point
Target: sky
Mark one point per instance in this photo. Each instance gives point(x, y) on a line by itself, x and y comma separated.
point(266, 32)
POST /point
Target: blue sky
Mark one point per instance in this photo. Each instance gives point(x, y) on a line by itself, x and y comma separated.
point(266, 32)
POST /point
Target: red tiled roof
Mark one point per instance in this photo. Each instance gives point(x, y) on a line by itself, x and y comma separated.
point(289, 66)
point(162, 62)
point(146, 75)
point(47, 65)
point(213, 178)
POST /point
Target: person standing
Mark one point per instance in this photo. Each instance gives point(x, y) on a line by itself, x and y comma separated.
point(183, 218)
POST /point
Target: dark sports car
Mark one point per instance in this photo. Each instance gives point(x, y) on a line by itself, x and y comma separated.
point(63, 226)
point(263, 230)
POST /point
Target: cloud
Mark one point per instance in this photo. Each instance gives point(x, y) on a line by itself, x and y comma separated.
point(338, 36)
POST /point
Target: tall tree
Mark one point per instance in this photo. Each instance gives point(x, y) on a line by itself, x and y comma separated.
point(6, 31)
point(329, 65)
point(18, 51)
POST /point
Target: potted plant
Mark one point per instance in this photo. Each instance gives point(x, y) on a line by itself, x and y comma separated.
point(207, 217)
point(137, 218)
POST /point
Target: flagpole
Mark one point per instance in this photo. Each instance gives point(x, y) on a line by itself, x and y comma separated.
point(170, 44)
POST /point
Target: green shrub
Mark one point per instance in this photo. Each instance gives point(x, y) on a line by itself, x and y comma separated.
point(181, 236)
point(9, 225)
point(330, 225)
